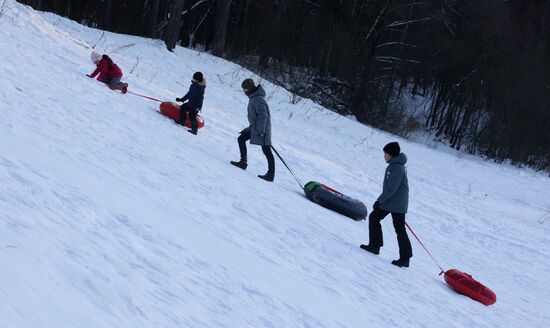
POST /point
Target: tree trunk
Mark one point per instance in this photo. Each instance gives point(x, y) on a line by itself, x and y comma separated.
point(174, 25)
point(153, 16)
point(106, 15)
point(326, 59)
point(220, 26)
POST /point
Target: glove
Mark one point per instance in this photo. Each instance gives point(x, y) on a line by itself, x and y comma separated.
point(178, 99)
point(376, 205)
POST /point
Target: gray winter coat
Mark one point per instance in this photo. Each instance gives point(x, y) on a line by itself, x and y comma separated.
point(259, 118)
point(395, 192)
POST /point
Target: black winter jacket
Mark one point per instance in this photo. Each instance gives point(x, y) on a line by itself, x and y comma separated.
point(195, 95)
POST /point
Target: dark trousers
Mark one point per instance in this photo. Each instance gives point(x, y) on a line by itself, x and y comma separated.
point(243, 138)
point(113, 82)
point(375, 232)
point(184, 109)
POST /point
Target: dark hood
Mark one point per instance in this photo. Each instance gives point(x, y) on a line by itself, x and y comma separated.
point(399, 159)
point(259, 92)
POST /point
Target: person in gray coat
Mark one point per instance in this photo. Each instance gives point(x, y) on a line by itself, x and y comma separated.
point(259, 130)
point(395, 200)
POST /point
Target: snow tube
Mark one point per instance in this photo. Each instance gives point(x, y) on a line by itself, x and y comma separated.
point(172, 110)
point(336, 201)
point(464, 284)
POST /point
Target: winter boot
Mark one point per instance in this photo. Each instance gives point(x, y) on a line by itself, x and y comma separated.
point(240, 164)
point(267, 177)
point(372, 249)
point(192, 131)
point(194, 126)
point(401, 263)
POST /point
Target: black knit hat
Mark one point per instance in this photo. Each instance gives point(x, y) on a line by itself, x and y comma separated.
point(248, 84)
point(392, 149)
point(198, 77)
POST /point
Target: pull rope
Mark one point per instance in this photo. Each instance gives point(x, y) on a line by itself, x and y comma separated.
point(408, 226)
point(135, 94)
point(143, 96)
point(294, 175)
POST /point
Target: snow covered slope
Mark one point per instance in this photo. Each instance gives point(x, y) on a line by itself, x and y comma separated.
point(113, 216)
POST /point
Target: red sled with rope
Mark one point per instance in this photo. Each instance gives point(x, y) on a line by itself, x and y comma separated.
point(464, 284)
point(172, 110)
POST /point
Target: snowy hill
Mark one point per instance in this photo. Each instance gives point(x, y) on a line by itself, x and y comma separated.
point(113, 216)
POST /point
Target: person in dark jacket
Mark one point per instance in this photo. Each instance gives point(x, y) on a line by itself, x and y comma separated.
point(194, 98)
point(109, 72)
point(259, 130)
point(395, 200)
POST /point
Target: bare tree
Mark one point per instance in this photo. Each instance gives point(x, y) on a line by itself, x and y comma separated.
point(220, 26)
point(483, 66)
point(106, 14)
point(173, 27)
point(152, 18)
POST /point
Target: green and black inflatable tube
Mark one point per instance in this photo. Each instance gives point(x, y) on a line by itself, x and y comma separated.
point(336, 201)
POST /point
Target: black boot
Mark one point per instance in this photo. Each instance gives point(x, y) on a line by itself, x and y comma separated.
point(194, 124)
point(183, 116)
point(240, 164)
point(372, 249)
point(192, 131)
point(268, 176)
point(401, 263)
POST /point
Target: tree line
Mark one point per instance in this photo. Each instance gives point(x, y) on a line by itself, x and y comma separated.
point(481, 68)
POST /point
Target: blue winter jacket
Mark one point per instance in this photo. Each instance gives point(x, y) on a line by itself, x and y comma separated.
point(259, 118)
point(395, 191)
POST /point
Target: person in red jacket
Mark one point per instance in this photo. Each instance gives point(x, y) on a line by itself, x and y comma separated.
point(109, 72)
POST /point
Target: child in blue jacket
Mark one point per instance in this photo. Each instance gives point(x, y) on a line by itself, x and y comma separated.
point(194, 98)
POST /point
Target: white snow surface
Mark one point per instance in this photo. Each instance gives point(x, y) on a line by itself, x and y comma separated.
point(111, 215)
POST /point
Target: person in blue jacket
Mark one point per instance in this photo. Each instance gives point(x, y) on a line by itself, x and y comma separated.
point(259, 129)
point(194, 98)
point(395, 200)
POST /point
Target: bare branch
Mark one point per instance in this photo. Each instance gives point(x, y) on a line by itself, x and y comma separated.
point(390, 59)
point(3, 8)
point(123, 47)
point(99, 40)
point(313, 3)
point(382, 12)
point(396, 43)
point(402, 23)
point(185, 12)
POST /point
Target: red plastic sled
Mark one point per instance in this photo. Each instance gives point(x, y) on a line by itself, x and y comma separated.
point(172, 110)
point(464, 284)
